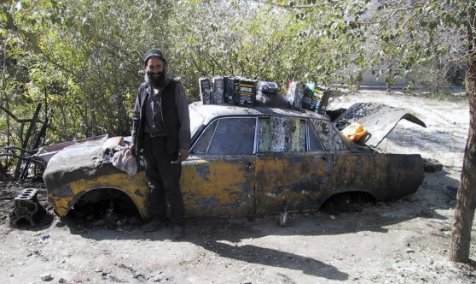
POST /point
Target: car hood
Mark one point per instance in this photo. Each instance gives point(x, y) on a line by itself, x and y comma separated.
point(85, 155)
point(81, 160)
point(378, 119)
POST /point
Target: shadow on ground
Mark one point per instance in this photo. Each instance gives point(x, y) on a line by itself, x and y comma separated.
point(224, 236)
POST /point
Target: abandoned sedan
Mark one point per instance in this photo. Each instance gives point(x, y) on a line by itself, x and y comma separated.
point(244, 162)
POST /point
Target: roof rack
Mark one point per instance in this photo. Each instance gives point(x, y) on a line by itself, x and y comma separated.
point(241, 91)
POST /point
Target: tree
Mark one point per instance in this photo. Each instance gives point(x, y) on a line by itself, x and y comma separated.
point(85, 54)
point(406, 34)
point(464, 213)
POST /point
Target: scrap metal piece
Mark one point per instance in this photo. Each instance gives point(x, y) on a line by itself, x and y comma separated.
point(378, 119)
point(283, 215)
point(27, 208)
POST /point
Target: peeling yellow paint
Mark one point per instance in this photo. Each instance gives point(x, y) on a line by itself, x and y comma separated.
point(256, 185)
point(134, 186)
point(218, 187)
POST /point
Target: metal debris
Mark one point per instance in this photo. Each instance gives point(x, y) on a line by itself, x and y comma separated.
point(27, 208)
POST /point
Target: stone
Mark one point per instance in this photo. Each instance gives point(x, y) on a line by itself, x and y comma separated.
point(47, 277)
point(137, 275)
point(451, 191)
point(432, 165)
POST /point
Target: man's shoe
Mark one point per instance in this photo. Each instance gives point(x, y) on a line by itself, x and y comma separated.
point(152, 226)
point(179, 232)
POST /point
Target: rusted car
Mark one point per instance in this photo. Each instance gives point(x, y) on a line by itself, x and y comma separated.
point(248, 162)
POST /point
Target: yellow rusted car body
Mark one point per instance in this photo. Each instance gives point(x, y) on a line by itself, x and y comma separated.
point(294, 157)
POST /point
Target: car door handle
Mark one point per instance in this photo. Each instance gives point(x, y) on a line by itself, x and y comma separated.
point(250, 167)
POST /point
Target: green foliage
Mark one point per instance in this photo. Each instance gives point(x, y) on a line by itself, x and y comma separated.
point(86, 55)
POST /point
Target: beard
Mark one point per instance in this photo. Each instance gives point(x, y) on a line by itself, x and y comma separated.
point(156, 79)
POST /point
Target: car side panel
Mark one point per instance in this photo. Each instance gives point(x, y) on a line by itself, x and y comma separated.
point(297, 178)
point(219, 186)
point(305, 181)
point(384, 176)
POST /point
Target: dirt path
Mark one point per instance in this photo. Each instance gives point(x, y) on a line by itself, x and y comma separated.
point(400, 242)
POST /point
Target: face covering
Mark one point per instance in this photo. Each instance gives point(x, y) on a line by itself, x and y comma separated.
point(156, 78)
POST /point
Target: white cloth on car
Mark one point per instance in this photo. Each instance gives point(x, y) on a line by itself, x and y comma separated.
point(124, 160)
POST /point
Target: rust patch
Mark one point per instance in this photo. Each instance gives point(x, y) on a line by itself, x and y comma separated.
point(203, 171)
point(62, 191)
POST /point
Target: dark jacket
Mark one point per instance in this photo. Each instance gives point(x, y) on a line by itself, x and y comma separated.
point(175, 116)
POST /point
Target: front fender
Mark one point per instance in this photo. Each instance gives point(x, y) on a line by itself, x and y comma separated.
point(63, 198)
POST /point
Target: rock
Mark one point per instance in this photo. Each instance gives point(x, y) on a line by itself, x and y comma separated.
point(61, 280)
point(411, 198)
point(47, 277)
point(409, 250)
point(432, 166)
point(451, 191)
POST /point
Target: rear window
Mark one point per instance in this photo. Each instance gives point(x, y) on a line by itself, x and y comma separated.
point(328, 135)
point(281, 134)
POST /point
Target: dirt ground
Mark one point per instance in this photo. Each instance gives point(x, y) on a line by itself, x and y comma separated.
point(405, 241)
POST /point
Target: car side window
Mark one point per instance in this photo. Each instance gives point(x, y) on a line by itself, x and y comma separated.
point(201, 147)
point(328, 135)
point(314, 143)
point(228, 136)
point(281, 134)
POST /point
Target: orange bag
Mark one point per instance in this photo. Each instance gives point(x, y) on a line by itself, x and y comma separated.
point(354, 132)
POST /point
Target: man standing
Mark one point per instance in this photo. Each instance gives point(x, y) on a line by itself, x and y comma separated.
point(161, 129)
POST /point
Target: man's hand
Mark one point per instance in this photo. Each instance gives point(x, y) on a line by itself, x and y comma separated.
point(183, 154)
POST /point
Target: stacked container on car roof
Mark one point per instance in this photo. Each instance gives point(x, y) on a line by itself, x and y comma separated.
point(241, 91)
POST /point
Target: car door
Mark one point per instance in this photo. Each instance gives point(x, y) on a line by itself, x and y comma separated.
point(218, 179)
point(292, 166)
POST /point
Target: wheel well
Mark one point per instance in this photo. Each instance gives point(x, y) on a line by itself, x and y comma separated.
point(352, 201)
point(95, 204)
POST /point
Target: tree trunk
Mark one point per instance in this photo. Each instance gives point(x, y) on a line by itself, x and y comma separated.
point(464, 212)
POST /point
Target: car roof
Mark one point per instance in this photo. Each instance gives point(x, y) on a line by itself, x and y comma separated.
point(210, 111)
point(202, 114)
